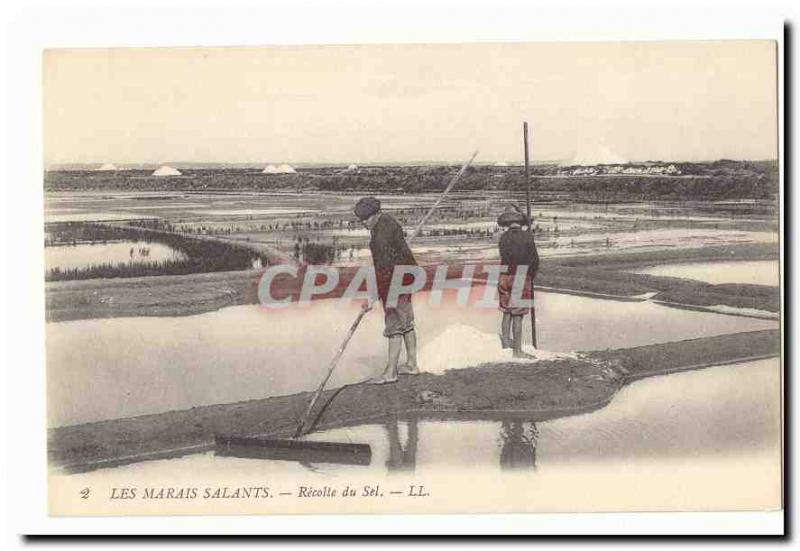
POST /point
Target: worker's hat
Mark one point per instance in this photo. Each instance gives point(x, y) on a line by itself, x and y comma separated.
point(366, 207)
point(510, 216)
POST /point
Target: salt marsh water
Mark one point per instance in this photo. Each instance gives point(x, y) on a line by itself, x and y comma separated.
point(121, 367)
point(756, 272)
point(250, 212)
point(68, 257)
point(663, 443)
point(83, 216)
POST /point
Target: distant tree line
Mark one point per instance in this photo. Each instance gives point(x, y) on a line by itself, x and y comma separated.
point(717, 180)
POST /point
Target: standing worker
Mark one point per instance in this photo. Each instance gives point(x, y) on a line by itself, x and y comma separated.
point(389, 249)
point(517, 253)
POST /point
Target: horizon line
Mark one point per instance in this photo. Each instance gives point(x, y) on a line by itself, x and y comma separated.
point(417, 162)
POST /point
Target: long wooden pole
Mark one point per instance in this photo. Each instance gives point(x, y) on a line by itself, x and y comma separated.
point(527, 175)
point(530, 226)
point(340, 350)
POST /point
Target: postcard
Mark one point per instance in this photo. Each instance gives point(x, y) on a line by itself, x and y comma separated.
point(413, 278)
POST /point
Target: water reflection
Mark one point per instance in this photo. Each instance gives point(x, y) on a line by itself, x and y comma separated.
point(519, 445)
point(716, 432)
point(84, 255)
point(518, 439)
point(402, 459)
point(95, 371)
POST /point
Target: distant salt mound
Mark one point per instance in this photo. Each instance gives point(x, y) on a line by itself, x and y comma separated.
point(166, 171)
point(598, 156)
point(352, 168)
point(461, 346)
point(501, 163)
point(108, 167)
point(282, 169)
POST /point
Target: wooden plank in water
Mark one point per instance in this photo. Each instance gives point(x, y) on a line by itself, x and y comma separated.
point(304, 451)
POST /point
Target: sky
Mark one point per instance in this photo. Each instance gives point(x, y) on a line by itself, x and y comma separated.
point(584, 103)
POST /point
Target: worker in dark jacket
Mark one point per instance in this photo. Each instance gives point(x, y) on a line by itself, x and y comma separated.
point(517, 253)
point(389, 250)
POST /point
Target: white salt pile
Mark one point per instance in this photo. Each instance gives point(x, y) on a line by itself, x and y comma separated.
point(282, 169)
point(462, 346)
point(166, 171)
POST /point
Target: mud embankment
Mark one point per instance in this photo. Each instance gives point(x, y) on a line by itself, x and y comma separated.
point(601, 276)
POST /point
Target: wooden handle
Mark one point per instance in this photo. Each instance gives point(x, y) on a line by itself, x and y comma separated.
point(353, 327)
point(331, 368)
point(441, 198)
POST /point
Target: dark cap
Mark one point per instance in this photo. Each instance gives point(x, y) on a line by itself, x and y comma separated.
point(510, 216)
point(366, 207)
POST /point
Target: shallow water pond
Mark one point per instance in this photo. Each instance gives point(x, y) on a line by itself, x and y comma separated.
point(706, 438)
point(80, 215)
point(252, 212)
point(111, 368)
point(83, 255)
point(726, 410)
point(755, 272)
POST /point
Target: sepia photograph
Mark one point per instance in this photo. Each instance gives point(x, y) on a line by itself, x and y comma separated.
point(413, 278)
point(315, 270)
